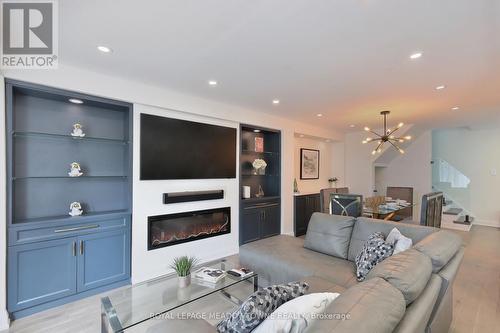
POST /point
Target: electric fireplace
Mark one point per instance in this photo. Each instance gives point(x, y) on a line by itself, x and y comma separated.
point(171, 229)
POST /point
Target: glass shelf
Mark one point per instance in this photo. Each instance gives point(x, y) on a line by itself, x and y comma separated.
point(63, 218)
point(65, 177)
point(244, 151)
point(67, 137)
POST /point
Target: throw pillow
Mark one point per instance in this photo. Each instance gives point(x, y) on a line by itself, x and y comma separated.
point(374, 251)
point(400, 242)
point(297, 314)
point(259, 305)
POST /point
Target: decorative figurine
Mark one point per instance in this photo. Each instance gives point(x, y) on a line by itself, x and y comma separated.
point(260, 194)
point(75, 170)
point(75, 209)
point(77, 131)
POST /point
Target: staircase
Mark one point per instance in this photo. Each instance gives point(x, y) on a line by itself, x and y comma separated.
point(455, 187)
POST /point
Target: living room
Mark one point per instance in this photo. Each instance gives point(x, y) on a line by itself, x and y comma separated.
point(277, 137)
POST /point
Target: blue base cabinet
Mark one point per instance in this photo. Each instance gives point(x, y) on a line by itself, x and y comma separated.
point(52, 257)
point(104, 258)
point(41, 272)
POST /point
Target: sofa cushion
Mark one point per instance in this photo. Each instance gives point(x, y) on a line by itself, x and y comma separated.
point(373, 306)
point(440, 247)
point(408, 271)
point(282, 258)
point(364, 227)
point(329, 234)
point(259, 305)
point(417, 315)
point(374, 251)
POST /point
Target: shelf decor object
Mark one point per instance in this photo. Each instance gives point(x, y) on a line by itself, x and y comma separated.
point(259, 144)
point(259, 166)
point(75, 170)
point(260, 183)
point(56, 255)
point(75, 209)
point(77, 131)
point(387, 136)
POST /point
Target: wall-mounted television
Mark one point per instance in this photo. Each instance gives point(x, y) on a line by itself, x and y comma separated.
point(180, 149)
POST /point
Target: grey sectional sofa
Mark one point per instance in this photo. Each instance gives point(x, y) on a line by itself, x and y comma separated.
point(408, 292)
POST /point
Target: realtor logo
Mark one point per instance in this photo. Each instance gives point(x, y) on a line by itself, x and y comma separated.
point(29, 37)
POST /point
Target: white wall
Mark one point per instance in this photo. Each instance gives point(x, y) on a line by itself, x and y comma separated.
point(4, 319)
point(147, 201)
point(359, 169)
point(325, 164)
point(476, 154)
point(413, 169)
point(147, 198)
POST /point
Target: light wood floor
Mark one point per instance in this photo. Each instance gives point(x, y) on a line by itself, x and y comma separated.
point(476, 295)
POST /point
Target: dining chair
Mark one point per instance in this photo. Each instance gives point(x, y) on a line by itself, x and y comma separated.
point(342, 190)
point(402, 193)
point(324, 199)
point(346, 204)
point(432, 209)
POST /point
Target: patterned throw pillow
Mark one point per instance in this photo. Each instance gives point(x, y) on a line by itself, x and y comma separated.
point(374, 251)
point(259, 305)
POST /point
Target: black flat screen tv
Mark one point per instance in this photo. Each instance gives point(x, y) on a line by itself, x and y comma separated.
point(180, 149)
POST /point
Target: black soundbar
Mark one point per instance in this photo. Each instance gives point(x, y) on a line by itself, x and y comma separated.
point(177, 197)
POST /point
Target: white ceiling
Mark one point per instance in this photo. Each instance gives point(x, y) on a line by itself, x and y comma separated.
point(346, 59)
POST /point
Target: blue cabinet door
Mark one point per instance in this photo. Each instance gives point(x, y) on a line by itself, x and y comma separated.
point(103, 258)
point(41, 272)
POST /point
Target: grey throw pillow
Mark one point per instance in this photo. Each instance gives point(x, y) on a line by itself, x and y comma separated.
point(259, 305)
point(374, 251)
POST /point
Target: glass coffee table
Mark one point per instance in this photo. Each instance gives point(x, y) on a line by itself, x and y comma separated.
point(125, 308)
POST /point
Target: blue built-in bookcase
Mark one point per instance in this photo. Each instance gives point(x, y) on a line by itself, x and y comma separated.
point(54, 258)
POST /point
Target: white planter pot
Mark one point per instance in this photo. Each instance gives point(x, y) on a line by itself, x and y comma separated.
point(184, 281)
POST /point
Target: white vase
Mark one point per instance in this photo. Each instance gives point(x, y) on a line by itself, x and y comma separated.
point(262, 171)
point(184, 281)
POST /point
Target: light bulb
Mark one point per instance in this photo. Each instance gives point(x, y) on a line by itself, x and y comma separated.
point(367, 129)
point(401, 140)
point(408, 137)
point(392, 137)
point(369, 139)
point(374, 152)
point(379, 150)
point(364, 141)
point(401, 125)
point(401, 151)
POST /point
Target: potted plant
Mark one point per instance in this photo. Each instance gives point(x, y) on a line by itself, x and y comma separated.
point(182, 266)
point(333, 180)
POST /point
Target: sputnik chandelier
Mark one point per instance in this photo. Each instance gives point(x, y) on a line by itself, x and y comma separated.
point(388, 136)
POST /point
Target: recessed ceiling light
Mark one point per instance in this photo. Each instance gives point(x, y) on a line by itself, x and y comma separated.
point(212, 83)
point(75, 101)
point(327, 140)
point(302, 135)
point(319, 115)
point(441, 87)
point(276, 101)
point(256, 130)
point(416, 55)
point(104, 49)
point(352, 126)
point(455, 108)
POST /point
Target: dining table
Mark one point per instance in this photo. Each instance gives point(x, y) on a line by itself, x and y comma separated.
point(386, 211)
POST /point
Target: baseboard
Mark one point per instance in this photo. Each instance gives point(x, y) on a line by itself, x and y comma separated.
point(4, 320)
point(487, 223)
